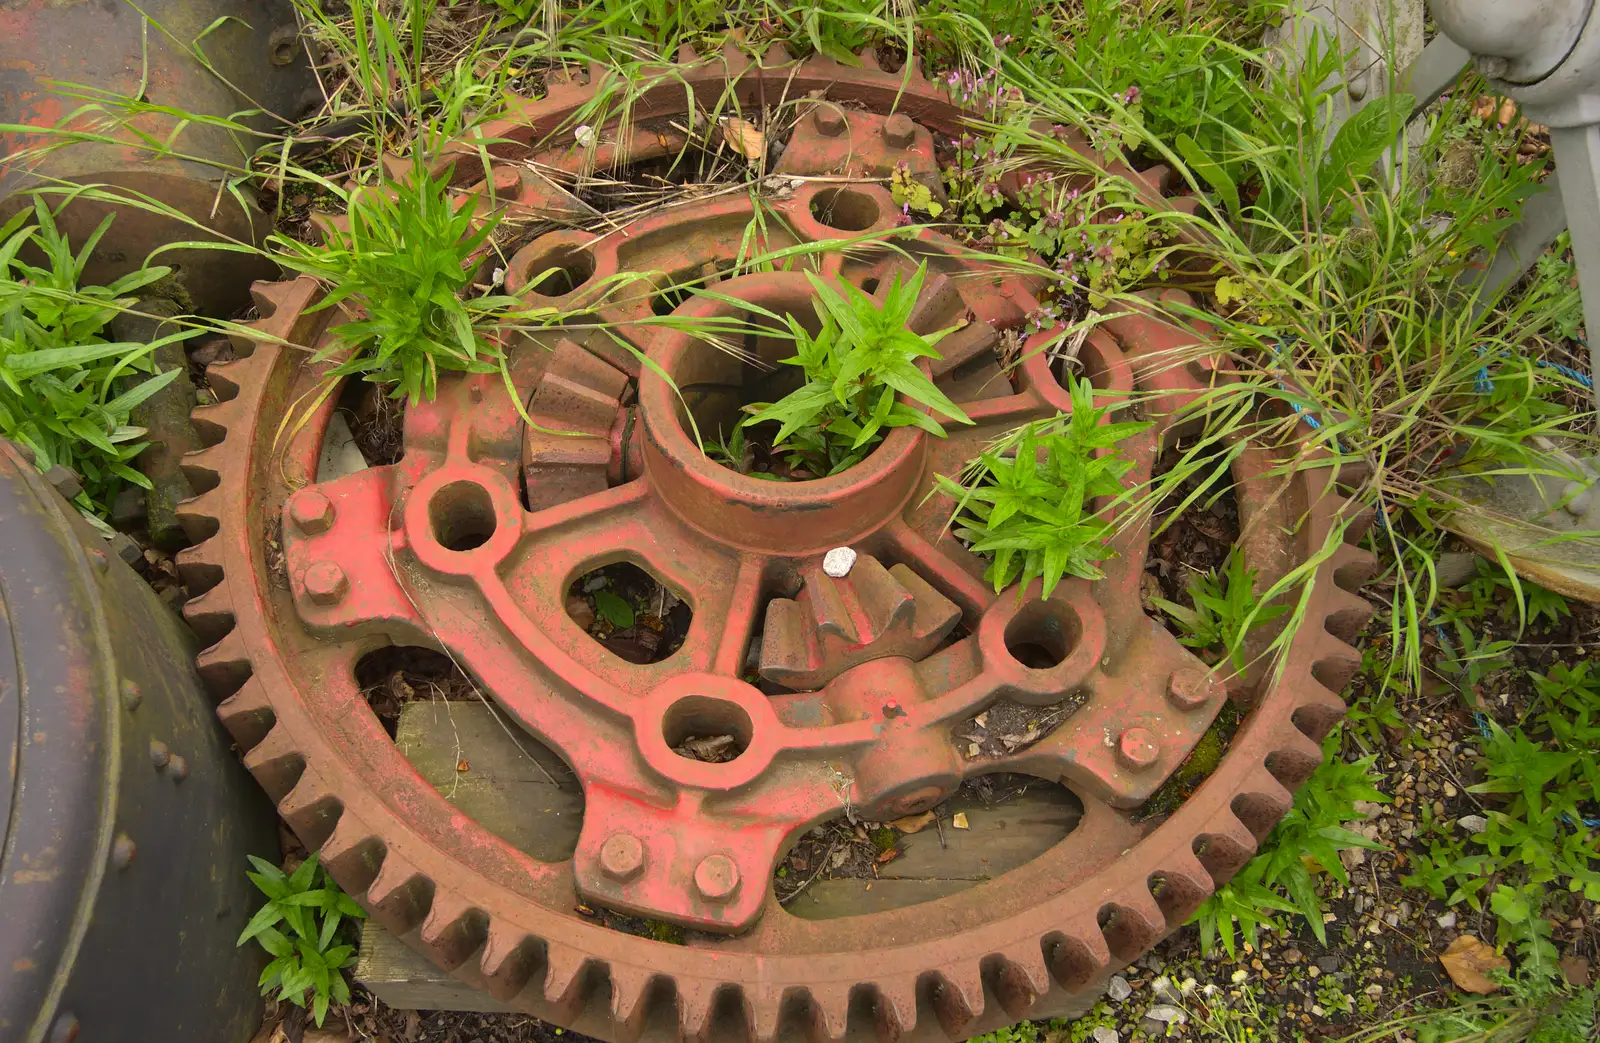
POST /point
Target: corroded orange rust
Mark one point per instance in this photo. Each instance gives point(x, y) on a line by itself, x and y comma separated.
point(872, 673)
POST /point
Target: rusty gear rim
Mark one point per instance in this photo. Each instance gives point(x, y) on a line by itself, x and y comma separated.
point(368, 558)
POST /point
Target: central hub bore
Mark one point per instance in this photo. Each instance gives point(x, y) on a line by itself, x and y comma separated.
point(701, 388)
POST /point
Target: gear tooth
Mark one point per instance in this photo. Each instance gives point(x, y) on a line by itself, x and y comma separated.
point(453, 930)
point(311, 809)
point(1262, 800)
point(1078, 956)
point(225, 665)
point(687, 55)
point(1347, 613)
point(1318, 709)
point(1155, 180)
point(204, 467)
point(829, 612)
point(783, 639)
point(955, 994)
point(973, 341)
point(276, 763)
point(247, 714)
point(1132, 923)
point(936, 615)
point(896, 1005)
point(1352, 567)
point(200, 566)
point(1189, 205)
point(269, 296)
point(399, 895)
point(212, 422)
point(1224, 848)
point(352, 853)
point(1018, 977)
point(574, 407)
point(694, 1001)
point(199, 515)
point(776, 54)
point(832, 1006)
point(939, 307)
point(869, 59)
point(508, 961)
point(630, 1008)
point(884, 601)
point(226, 378)
point(1181, 886)
point(210, 614)
point(1295, 758)
point(735, 59)
point(564, 969)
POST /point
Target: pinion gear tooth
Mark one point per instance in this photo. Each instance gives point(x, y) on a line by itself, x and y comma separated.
point(276, 763)
point(247, 714)
point(200, 566)
point(1018, 977)
point(896, 1008)
point(940, 306)
point(1078, 956)
point(453, 930)
point(225, 665)
point(1224, 848)
point(269, 296)
point(210, 614)
point(832, 1006)
point(975, 340)
point(1136, 922)
point(1181, 886)
point(567, 449)
point(687, 55)
point(204, 467)
point(564, 973)
point(399, 895)
point(1352, 567)
point(508, 959)
point(694, 1008)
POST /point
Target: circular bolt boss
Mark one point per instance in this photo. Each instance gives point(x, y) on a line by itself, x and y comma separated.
point(819, 688)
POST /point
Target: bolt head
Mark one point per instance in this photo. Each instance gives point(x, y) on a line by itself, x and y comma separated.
point(64, 1029)
point(66, 481)
point(1191, 689)
point(311, 512)
point(1580, 497)
point(326, 583)
point(506, 178)
point(122, 851)
point(717, 878)
point(159, 753)
point(1138, 749)
point(828, 120)
point(899, 131)
point(178, 767)
point(131, 695)
point(622, 856)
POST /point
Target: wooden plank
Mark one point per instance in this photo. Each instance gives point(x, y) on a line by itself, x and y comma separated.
point(524, 793)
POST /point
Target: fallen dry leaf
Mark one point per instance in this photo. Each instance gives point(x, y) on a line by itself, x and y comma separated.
point(744, 138)
point(888, 856)
point(913, 823)
point(1576, 970)
point(959, 820)
point(1468, 961)
point(462, 765)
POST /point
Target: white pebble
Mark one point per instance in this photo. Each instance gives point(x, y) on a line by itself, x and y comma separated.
point(1448, 920)
point(1106, 1035)
point(1473, 823)
point(584, 136)
point(838, 562)
point(1167, 1013)
point(1118, 989)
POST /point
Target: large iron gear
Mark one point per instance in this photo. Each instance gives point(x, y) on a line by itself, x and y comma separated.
point(471, 541)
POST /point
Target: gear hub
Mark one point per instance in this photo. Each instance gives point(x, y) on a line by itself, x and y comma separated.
point(831, 690)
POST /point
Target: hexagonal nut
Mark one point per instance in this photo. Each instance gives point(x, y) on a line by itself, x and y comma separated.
point(1138, 749)
point(326, 583)
point(717, 878)
point(65, 481)
point(312, 512)
point(829, 120)
point(123, 546)
point(1191, 688)
point(622, 856)
point(899, 131)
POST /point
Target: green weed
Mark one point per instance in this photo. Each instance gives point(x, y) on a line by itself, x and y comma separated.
point(1028, 504)
point(305, 959)
point(65, 392)
point(1226, 608)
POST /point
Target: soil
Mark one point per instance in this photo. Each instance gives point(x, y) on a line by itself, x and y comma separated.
point(377, 421)
point(395, 675)
point(1195, 542)
point(625, 609)
point(1006, 727)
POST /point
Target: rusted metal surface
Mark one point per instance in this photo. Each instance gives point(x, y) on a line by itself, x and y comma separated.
point(840, 692)
point(122, 882)
point(111, 49)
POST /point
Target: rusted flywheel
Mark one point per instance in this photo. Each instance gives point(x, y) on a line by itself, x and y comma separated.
point(472, 540)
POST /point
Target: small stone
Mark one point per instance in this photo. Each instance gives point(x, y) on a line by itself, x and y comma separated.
point(1167, 1014)
point(1118, 989)
point(1329, 964)
point(1102, 1034)
point(1392, 919)
point(1449, 790)
point(581, 612)
point(838, 562)
point(1473, 823)
point(1448, 920)
point(1353, 856)
point(593, 583)
point(1370, 808)
point(1152, 1028)
point(584, 136)
point(1314, 971)
point(1374, 991)
point(1292, 956)
point(1316, 1009)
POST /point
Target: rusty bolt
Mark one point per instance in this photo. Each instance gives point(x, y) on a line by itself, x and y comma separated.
point(159, 754)
point(100, 559)
point(899, 131)
point(1190, 689)
point(312, 512)
point(280, 45)
point(621, 856)
point(131, 695)
point(506, 178)
point(123, 546)
point(1137, 749)
point(917, 801)
point(66, 482)
point(716, 878)
point(828, 120)
point(326, 583)
point(122, 851)
point(178, 767)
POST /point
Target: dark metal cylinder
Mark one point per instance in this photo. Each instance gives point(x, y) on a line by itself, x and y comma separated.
point(122, 866)
point(110, 48)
